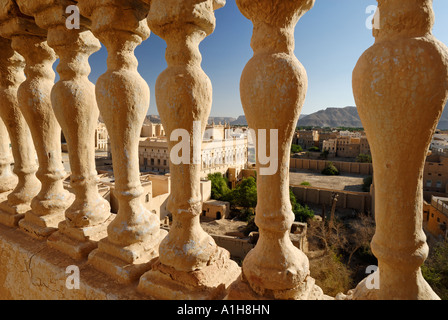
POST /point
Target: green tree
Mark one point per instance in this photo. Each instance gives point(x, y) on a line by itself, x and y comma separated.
point(324, 154)
point(301, 213)
point(364, 158)
point(219, 189)
point(245, 194)
point(314, 149)
point(296, 148)
point(330, 170)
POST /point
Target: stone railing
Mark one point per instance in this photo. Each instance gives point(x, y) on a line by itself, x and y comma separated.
point(400, 86)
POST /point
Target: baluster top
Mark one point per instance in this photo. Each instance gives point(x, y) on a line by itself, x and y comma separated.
point(278, 13)
point(117, 15)
point(415, 18)
point(183, 16)
point(14, 22)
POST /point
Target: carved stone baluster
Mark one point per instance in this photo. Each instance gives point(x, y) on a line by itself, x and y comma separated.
point(74, 104)
point(48, 207)
point(7, 179)
point(400, 86)
point(25, 166)
point(191, 265)
point(123, 98)
point(273, 88)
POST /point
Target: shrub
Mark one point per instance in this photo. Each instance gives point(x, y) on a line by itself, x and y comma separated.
point(330, 170)
point(435, 269)
point(314, 149)
point(331, 275)
point(296, 148)
point(367, 181)
point(305, 183)
point(364, 158)
point(301, 213)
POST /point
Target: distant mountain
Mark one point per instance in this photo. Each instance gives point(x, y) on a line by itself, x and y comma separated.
point(223, 120)
point(348, 117)
point(150, 118)
point(332, 117)
point(443, 123)
point(241, 121)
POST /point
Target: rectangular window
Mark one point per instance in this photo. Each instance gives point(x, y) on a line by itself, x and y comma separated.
point(428, 183)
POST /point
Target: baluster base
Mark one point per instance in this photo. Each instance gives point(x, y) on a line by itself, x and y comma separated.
point(210, 283)
point(125, 264)
point(8, 183)
point(307, 290)
point(11, 215)
point(78, 242)
point(40, 227)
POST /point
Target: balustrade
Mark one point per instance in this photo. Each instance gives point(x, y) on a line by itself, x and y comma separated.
point(273, 88)
point(26, 186)
point(74, 104)
point(400, 86)
point(7, 178)
point(48, 207)
point(123, 98)
point(191, 265)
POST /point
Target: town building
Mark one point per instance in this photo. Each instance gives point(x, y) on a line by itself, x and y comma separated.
point(222, 148)
point(435, 175)
point(435, 217)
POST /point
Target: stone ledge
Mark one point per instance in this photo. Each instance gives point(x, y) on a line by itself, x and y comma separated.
point(30, 270)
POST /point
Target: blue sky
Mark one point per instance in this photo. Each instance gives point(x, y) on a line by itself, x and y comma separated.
point(329, 40)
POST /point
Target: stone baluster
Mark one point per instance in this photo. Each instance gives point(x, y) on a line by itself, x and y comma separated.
point(191, 265)
point(74, 104)
point(48, 207)
point(27, 186)
point(273, 88)
point(400, 86)
point(7, 178)
point(123, 99)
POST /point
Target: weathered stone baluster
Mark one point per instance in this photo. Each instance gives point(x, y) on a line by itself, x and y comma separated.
point(74, 104)
point(123, 98)
point(7, 179)
point(400, 86)
point(48, 207)
point(273, 88)
point(191, 265)
point(25, 166)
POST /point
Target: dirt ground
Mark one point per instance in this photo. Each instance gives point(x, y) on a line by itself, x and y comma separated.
point(348, 182)
point(224, 227)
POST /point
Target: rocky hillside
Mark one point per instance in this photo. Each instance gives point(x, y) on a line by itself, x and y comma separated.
point(348, 117)
point(332, 117)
